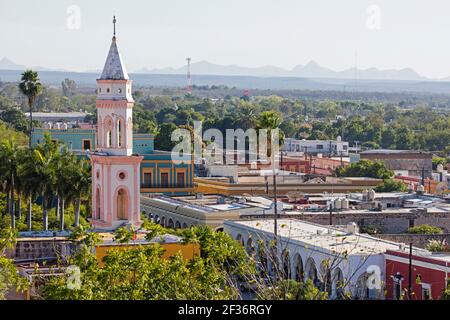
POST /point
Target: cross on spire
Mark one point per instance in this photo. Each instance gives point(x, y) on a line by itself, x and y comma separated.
point(114, 24)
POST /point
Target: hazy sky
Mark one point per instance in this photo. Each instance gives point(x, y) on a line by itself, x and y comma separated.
point(284, 33)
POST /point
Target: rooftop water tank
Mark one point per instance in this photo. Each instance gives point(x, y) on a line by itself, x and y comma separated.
point(345, 204)
point(338, 204)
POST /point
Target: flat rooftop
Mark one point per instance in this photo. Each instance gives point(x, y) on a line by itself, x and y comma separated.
point(322, 237)
point(205, 203)
point(63, 115)
point(108, 239)
point(389, 151)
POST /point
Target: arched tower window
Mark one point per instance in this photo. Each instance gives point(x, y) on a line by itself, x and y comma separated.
point(119, 133)
point(108, 132)
point(108, 139)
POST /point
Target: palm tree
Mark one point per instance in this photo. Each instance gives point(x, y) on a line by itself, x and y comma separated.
point(270, 120)
point(195, 138)
point(22, 158)
point(66, 176)
point(27, 174)
point(247, 116)
point(31, 87)
point(9, 162)
point(45, 158)
point(80, 185)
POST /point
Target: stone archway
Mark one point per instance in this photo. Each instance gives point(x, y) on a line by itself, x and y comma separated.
point(250, 247)
point(286, 265)
point(298, 265)
point(311, 270)
point(338, 284)
point(240, 239)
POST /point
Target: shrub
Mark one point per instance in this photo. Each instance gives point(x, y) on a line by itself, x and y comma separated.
point(424, 229)
point(391, 185)
point(437, 246)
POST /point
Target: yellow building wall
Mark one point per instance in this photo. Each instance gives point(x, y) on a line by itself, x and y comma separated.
point(188, 251)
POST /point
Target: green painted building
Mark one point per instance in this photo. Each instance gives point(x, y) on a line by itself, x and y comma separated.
point(158, 173)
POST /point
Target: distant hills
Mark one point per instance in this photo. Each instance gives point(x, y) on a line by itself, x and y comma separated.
point(7, 64)
point(311, 76)
point(310, 70)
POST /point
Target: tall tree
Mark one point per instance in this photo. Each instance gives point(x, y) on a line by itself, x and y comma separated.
point(30, 183)
point(66, 175)
point(68, 87)
point(271, 120)
point(9, 162)
point(80, 183)
point(45, 157)
point(30, 86)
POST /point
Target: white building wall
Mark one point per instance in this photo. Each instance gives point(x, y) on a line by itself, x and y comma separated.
point(316, 146)
point(353, 267)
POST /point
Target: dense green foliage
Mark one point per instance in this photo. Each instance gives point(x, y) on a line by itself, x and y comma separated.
point(391, 185)
point(437, 246)
point(293, 290)
point(46, 174)
point(425, 229)
point(9, 277)
point(408, 123)
point(143, 274)
point(7, 133)
point(365, 168)
point(373, 169)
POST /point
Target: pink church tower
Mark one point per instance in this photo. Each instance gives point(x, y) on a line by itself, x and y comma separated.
point(115, 170)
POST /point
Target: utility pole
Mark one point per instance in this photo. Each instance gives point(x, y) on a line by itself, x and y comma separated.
point(331, 214)
point(275, 214)
point(275, 209)
point(410, 272)
point(189, 79)
point(423, 176)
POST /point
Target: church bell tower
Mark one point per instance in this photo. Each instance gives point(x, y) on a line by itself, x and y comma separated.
point(115, 170)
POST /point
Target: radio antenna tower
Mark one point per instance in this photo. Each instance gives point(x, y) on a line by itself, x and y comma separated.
point(189, 79)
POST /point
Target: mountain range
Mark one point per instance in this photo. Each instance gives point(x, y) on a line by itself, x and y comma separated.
point(7, 64)
point(310, 70)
